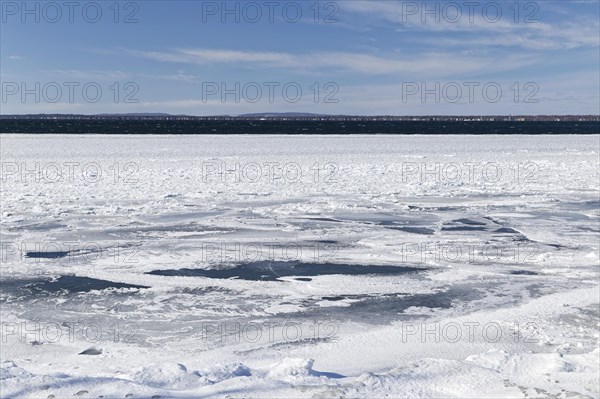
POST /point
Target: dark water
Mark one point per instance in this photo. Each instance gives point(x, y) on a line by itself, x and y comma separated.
point(523, 273)
point(414, 230)
point(47, 254)
point(469, 222)
point(62, 285)
point(463, 228)
point(380, 309)
point(293, 127)
point(272, 271)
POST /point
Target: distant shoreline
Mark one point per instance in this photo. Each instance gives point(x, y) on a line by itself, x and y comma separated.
point(306, 117)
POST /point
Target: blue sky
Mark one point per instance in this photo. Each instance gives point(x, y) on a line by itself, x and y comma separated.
point(334, 57)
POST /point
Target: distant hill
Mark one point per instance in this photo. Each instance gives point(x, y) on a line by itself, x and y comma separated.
point(302, 116)
point(138, 114)
point(281, 115)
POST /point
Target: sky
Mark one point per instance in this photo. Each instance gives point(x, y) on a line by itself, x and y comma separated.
point(328, 57)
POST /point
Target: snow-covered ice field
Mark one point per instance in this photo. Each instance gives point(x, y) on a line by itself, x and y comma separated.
point(304, 266)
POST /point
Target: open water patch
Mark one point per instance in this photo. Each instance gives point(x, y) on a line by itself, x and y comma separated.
point(62, 285)
point(274, 270)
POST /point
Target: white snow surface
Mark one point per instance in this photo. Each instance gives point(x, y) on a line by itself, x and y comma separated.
point(481, 284)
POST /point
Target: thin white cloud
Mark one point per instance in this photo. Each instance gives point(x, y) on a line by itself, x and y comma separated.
point(430, 64)
point(509, 40)
point(179, 76)
point(399, 13)
point(208, 56)
point(538, 35)
point(15, 57)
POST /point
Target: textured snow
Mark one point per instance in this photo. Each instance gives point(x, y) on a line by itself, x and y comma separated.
point(500, 296)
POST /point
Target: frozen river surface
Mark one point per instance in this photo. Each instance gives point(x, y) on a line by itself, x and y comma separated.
point(300, 266)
